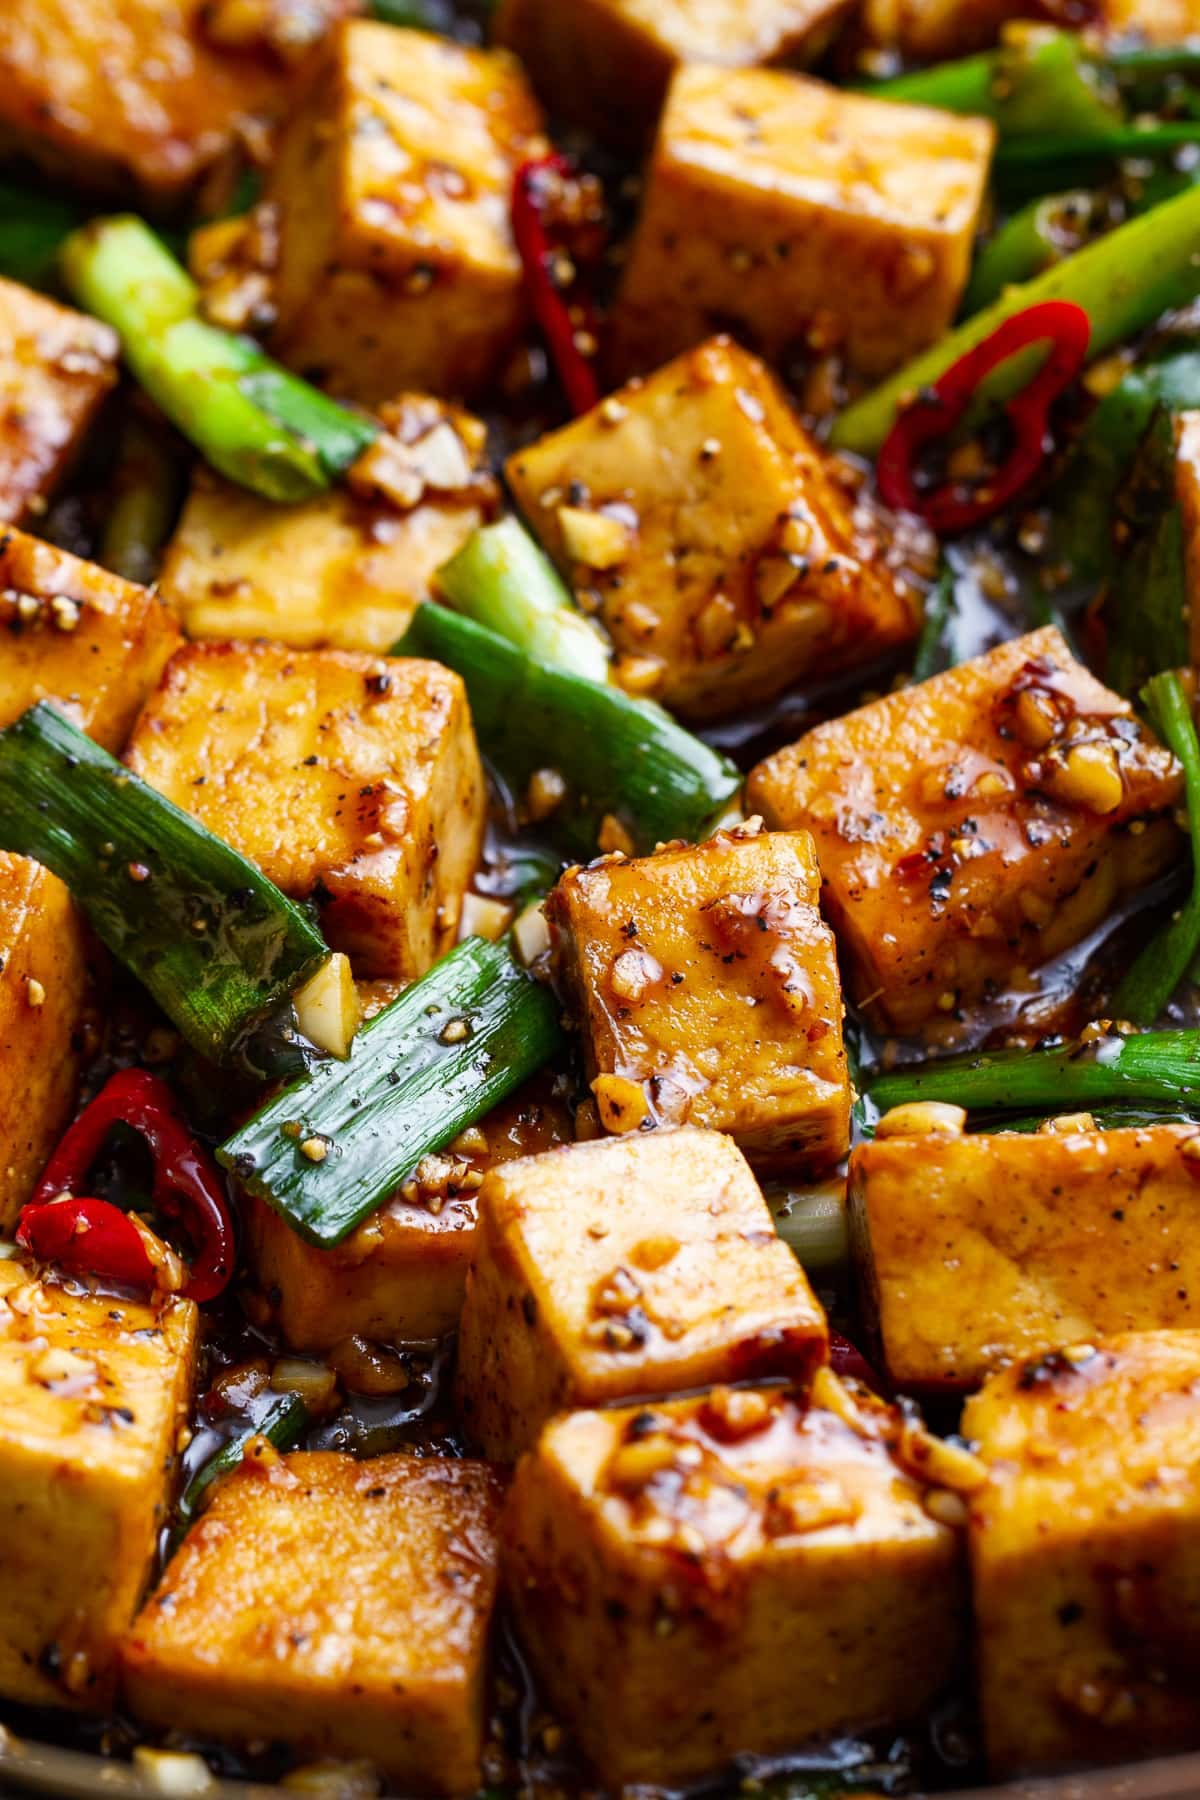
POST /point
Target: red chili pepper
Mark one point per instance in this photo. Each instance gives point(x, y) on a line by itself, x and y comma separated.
point(88, 1237)
point(186, 1183)
point(846, 1359)
point(937, 410)
point(563, 319)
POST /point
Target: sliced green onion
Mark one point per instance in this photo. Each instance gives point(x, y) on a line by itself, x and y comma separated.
point(501, 580)
point(812, 1223)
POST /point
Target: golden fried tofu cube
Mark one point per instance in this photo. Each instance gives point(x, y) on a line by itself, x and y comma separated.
point(799, 211)
point(931, 29)
point(79, 636)
point(707, 992)
point(94, 1393)
point(354, 779)
point(402, 1275)
point(645, 1264)
point(1152, 21)
point(975, 826)
point(725, 1574)
point(698, 519)
point(607, 63)
point(341, 1606)
point(56, 369)
point(44, 996)
point(397, 266)
point(148, 94)
point(1085, 1553)
point(959, 1281)
point(346, 569)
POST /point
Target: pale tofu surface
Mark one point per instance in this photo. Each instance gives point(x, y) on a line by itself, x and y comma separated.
point(144, 94)
point(973, 827)
point(402, 1275)
point(393, 182)
point(94, 1392)
point(645, 1264)
point(56, 368)
point(730, 562)
point(1085, 1549)
point(782, 203)
point(340, 1606)
point(976, 1250)
point(701, 1576)
point(351, 774)
point(707, 992)
point(76, 635)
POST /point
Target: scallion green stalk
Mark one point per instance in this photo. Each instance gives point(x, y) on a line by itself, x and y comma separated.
point(1150, 1068)
point(501, 580)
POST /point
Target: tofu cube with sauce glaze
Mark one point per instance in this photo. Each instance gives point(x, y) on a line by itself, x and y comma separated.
point(393, 182)
point(402, 1275)
point(975, 826)
point(609, 62)
point(348, 568)
point(149, 95)
point(729, 1574)
point(1085, 1553)
point(803, 216)
point(638, 1265)
point(706, 989)
point(976, 1250)
point(94, 1392)
point(1164, 22)
point(711, 536)
point(72, 633)
point(930, 29)
point(340, 1607)
point(353, 779)
point(57, 367)
point(44, 1000)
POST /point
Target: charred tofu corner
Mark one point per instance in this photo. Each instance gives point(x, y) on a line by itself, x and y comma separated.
point(706, 989)
point(635, 1265)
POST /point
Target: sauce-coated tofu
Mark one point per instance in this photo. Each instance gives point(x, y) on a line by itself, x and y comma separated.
point(397, 266)
point(607, 63)
point(937, 28)
point(75, 634)
point(976, 1250)
point(697, 518)
point(44, 991)
point(148, 94)
point(56, 368)
point(1085, 1553)
point(974, 827)
point(401, 1276)
point(352, 778)
point(343, 569)
point(707, 992)
point(636, 1265)
point(338, 1606)
point(805, 214)
point(1153, 21)
point(727, 1574)
point(94, 1393)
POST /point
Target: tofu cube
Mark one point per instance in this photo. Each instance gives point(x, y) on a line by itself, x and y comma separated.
point(346, 569)
point(149, 95)
point(94, 1392)
point(707, 993)
point(340, 1606)
point(1085, 1553)
point(930, 29)
point(56, 369)
point(1163, 22)
point(727, 1574)
point(393, 182)
point(959, 1280)
point(798, 211)
point(627, 1266)
point(76, 635)
point(608, 63)
point(697, 518)
point(402, 1275)
point(351, 779)
point(44, 1003)
point(975, 826)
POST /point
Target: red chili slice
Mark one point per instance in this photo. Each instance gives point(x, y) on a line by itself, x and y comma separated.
point(186, 1185)
point(936, 411)
point(564, 315)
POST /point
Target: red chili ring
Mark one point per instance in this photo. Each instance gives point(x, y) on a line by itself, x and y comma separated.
point(576, 373)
